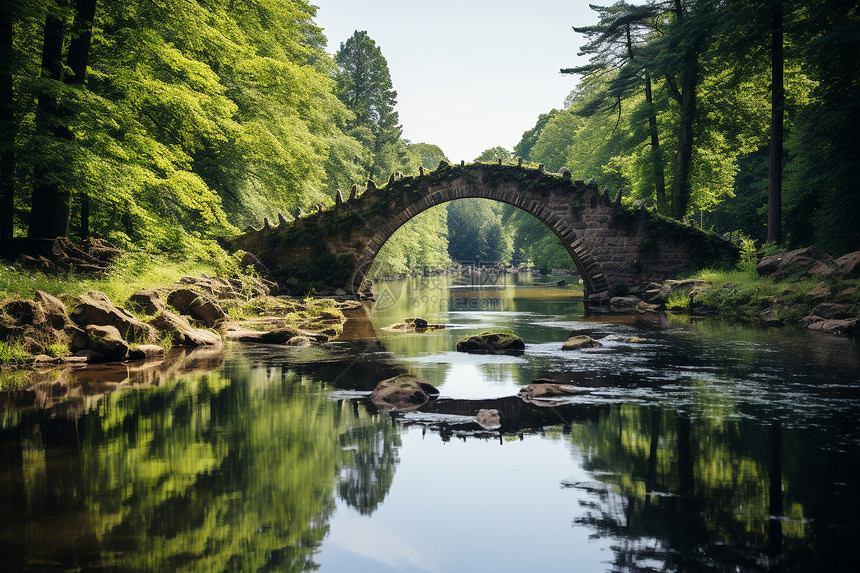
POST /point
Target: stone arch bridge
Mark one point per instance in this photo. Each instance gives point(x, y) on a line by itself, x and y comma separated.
point(614, 247)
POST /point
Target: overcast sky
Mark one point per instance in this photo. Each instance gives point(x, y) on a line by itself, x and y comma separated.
point(469, 74)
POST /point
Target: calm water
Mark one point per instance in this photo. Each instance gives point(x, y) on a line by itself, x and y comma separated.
point(704, 448)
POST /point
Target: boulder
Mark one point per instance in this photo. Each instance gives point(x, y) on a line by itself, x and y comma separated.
point(846, 294)
point(844, 327)
point(402, 393)
point(644, 307)
point(821, 290)
point(148, 301)
point(55, 310)
point(9, 328)
point(145, 352)
point(26, 312)
point(105, 340)
point(612, 338)
point(809, 261)
point(598, 299)
point(416, 322)
point(491, 343)
point(849, 265)
point(622, 303)
point(808, 321)
point(193, 304)
point(489, 419)
point(580, 341)
point(207, 311)
point(182, 332)
point(829, 310)
point(96, 309)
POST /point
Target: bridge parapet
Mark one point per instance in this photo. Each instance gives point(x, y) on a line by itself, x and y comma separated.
point(612, 246)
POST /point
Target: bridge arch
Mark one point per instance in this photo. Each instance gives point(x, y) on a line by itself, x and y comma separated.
point(588, 269)
point(613, 247)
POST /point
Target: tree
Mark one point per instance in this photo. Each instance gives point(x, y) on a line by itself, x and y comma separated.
point(364, 86)
point(49, 211)
point(677, 54)
point(623, 27)
point(821, 195)
point(494, 155)
point(527, 141)
point(429, 156)
point(774, 178)
point(7, 123)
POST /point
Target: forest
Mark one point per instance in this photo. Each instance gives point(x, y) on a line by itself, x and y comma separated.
point(161, 126)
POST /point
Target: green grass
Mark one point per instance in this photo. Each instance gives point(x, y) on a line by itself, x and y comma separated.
point(12, 352)
point(743, 294)
point(131, 272)
point(58, 349)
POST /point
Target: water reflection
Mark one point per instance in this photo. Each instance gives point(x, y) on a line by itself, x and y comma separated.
point(704, 448)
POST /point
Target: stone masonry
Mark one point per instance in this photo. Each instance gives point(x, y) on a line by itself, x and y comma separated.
point(614, 247)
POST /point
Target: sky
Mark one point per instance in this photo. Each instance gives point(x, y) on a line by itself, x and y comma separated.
point(469, 74)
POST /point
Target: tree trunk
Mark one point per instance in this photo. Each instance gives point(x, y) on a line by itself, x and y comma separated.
point(681, 186)
point(77, 59)
point(659, 176)
point(774, 176)
point(7, 124)
point(49, 211)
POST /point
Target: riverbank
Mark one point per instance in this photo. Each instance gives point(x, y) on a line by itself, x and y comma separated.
point(52, 319)
point(806, 288)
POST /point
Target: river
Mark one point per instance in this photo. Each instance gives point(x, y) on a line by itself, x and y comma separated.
point(702, 447)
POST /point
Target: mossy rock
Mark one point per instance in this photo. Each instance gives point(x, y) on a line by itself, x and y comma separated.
point(492, 343)
point(402, 393)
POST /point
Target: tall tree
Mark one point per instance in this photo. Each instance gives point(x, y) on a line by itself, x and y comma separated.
point(678, 58)
point(612, 44)
point(77, 59)
point(7, 122)
point(49, 211)
point(364, 85)
point(774, 178)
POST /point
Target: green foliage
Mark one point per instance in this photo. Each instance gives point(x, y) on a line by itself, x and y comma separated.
point(57, 349)
point(475, 232)
point(364, 86)
point(195, 120)
point(494, 155)
point(13, 351)
point(749, 255)
point(421, 243)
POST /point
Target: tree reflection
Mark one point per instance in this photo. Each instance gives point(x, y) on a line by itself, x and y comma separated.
point(367, 476)
point(687, 495)
point(201, 473)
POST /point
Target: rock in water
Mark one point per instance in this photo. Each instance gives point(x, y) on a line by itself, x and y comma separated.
point(579, 342)
point(402, 393)
point(492, 343)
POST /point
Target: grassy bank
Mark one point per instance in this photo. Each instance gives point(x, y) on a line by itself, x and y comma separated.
point(744, 295)
point(131, 272)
